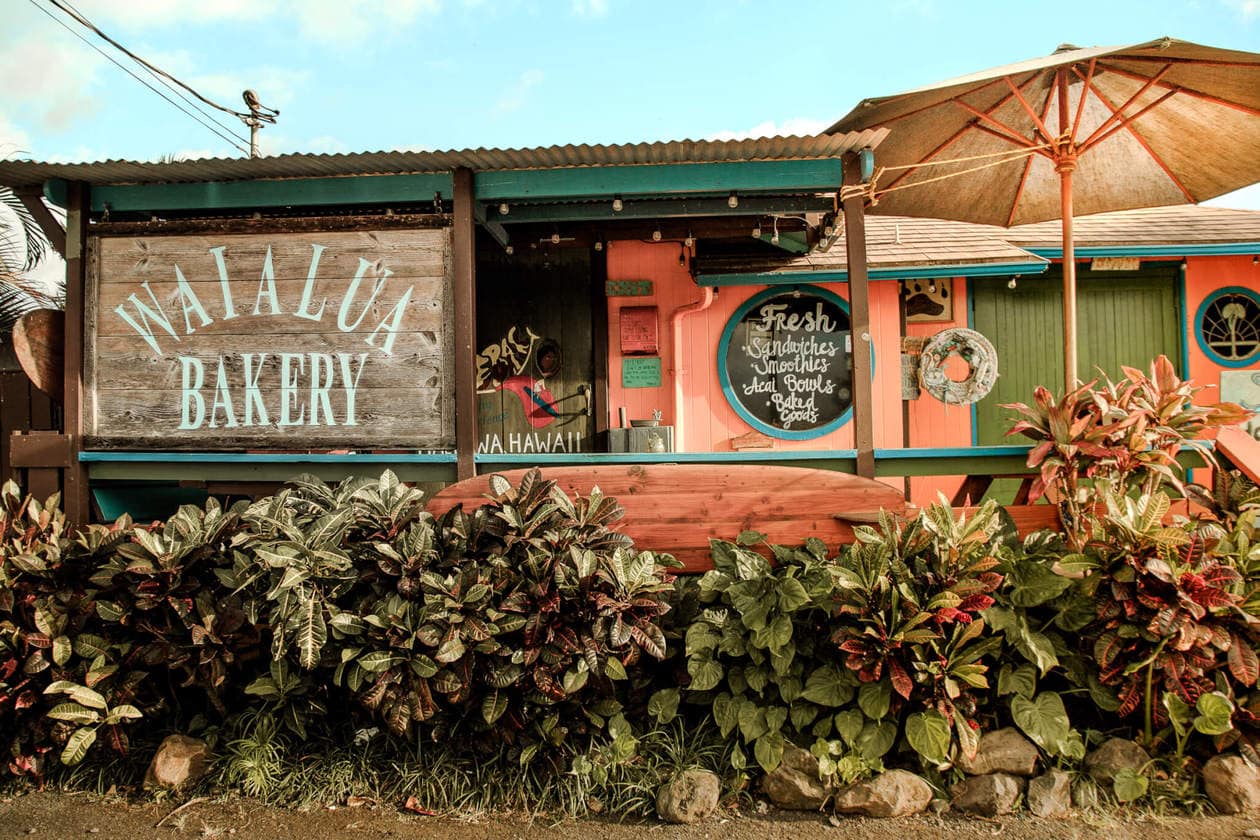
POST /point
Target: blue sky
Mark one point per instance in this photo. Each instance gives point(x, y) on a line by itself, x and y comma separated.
point(355, 75)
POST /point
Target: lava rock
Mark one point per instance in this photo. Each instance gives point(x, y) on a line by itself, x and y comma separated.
point(989, 796)
point(690, 797)
point(1050, 794)
point(896, 793)
point(1002, 751)
point(180, 761)
point(1232, 784)
point(796, 784)
point(1114, 755)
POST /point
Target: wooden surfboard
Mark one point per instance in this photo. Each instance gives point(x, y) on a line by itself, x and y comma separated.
point(39, 339)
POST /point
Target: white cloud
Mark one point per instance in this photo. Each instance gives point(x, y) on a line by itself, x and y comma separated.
point(515, 96)
point(590, 8)
point(55, 74)
point(797, 127)
point(1245, 8)
point(152, 14)
point(14, 142)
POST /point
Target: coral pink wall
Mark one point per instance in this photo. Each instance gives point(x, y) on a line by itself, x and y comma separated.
point(932, 422)
point(1203, 275)
point(709, 421)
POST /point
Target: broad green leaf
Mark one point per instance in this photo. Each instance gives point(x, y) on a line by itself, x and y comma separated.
point(1129, 784)
point(376, 661)
point(1021, 681)
point(62, 650)
point(849, 725)
point(1033, 584)
point(73, 713)
point(705, 674)
point(493, 705)
point(450, 650)
point(1215, 714)
point(792, 595)
point(574, 679)
point(828, 686)
point(88, 697)
point(876, 739)
point(1043, 719)
point(78, 745)
point(874, 699)
point(89, 646)
point(125, 712)
point(768, 750)
point(928, 733)
point(663, 705)
point(752, 721)
point(725, 713)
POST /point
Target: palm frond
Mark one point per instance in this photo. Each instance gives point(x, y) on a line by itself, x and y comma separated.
point(22, 242)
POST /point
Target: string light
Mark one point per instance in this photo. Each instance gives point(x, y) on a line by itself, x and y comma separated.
point(733, 201)
point(690, 241)
point(656, 234)
point(756, 231)
point(1010, 284)
point(618, 205)
point(503, 209)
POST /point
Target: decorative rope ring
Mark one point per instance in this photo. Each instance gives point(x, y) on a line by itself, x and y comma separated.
point(974, 349)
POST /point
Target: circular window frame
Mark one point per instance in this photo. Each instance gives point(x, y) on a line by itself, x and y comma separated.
point(724, 378)
point(1199, 314)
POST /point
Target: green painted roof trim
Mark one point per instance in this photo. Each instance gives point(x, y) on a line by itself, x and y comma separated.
point(1203, 249)
point(788, 278)
point(574, 183)
point(293, 192)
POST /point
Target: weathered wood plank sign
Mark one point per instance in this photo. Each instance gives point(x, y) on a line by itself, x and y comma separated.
point(297, 340)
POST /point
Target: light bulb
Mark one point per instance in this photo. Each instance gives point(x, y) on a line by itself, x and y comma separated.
point(932, 287)
point(656, 235)
point(756, 232)
point(555, 239)
point(733, 201)
point(599, 246)
point(509, 250)
point(690, 241)
point(1010, 284)
point(617, 205)
point(829, 231)
point(774, 238)
point(503, 209)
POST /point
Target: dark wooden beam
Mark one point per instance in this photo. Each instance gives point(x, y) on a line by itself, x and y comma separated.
point(75, 499)
point(33, 200)
point(465, 314)
point(860, 311)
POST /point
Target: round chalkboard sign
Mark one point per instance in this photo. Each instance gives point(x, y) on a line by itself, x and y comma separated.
point(786, 362)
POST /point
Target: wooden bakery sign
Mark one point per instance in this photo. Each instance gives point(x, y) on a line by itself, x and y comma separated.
point(302, 340)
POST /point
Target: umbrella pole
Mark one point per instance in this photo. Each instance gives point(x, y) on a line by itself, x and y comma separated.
point(1065, 164)
point(1069, 280)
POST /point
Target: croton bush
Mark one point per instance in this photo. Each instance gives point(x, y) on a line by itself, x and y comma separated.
point(531, 628)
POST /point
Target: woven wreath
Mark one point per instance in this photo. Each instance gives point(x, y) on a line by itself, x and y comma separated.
point(974, 349)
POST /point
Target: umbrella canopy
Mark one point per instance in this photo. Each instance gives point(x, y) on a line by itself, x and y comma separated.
point(1080, 131)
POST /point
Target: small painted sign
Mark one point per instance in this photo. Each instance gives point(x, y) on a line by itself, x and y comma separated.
point(628, 288)
point(641, 372)
point(785, 362)
point(639, 330)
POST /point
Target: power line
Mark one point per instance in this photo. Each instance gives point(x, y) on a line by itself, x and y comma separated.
point(215, 128)
point(162, 80)
point(78, 16)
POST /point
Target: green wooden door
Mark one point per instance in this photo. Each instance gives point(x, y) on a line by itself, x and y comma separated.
point(535, 359)
point(1124, 318)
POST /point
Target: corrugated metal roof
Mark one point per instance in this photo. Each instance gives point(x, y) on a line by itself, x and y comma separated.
point(891, 242)
point(29, 173)
point(1177, 225)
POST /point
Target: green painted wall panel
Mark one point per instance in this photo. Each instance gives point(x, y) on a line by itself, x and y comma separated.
point(1124, 318)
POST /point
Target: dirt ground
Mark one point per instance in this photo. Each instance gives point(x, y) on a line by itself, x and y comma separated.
point(54, 815)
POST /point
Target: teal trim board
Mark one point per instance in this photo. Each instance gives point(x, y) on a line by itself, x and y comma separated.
point(787, 278)
point(108, 456)
point(1202, 249)
point(658, 179)
point(289, 192)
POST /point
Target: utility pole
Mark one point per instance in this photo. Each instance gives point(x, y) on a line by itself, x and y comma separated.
point(258, 114)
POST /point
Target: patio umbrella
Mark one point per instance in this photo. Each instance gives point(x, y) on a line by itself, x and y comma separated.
point(1080, 131)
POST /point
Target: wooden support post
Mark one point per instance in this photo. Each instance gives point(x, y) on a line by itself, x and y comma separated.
point(860, 314)
point(75, 499)
point(465, 301)
point(32, 199)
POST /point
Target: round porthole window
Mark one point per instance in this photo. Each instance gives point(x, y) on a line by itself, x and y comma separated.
point(1227, 326)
